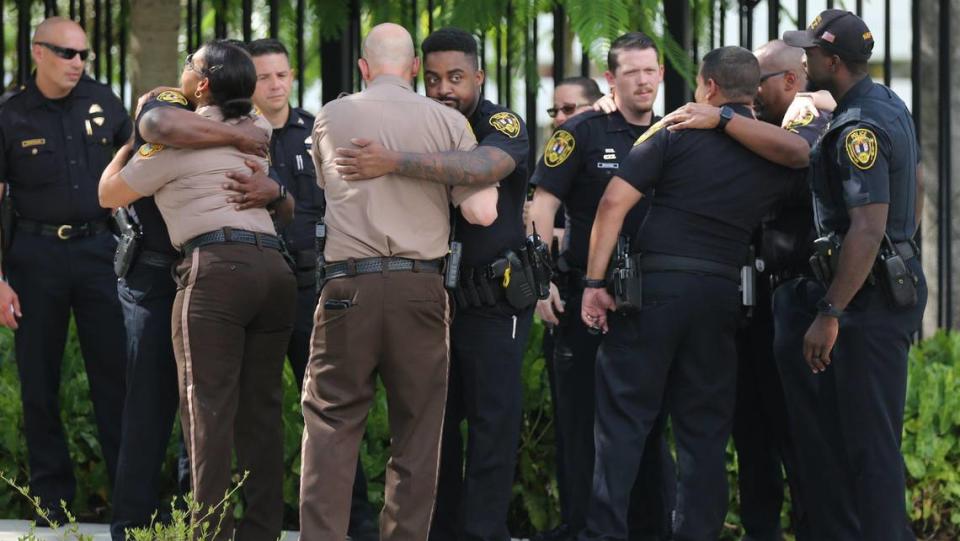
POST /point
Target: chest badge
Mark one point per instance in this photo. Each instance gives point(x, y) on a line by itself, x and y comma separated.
point(861, 145)
point(559, 148)
point(506, 123)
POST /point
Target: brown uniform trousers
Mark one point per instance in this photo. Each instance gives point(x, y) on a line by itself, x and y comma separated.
point(232, 319)
point(395, 324)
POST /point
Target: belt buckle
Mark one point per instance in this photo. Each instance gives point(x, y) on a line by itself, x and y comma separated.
point(63, 232)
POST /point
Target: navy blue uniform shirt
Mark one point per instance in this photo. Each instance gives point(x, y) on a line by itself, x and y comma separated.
point(154, 229)
point(54, 151)
point(869, 154)
point(290, 148)
point(711, 192)
point(577, 163)
point(498, 127)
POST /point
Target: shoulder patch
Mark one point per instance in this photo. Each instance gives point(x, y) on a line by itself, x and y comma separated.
point(506, 123)
point(559, 148)
point(659, 125)
point(171, 96)
point(805, 120)
point(149, 149)
point(861, 145)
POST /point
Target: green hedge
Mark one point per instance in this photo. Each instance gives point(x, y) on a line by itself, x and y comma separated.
point(931, 443)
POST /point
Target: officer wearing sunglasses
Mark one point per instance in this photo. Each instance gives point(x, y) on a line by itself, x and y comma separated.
point(57, 133)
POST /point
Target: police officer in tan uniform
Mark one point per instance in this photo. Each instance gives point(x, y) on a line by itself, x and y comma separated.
point(229, 347)
point(383, 308)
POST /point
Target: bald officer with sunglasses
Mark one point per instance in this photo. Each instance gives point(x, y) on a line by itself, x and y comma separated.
point(57, 133)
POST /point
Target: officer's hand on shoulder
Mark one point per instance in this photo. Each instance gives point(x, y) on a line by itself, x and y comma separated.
point(693, 116)
point(605, 104)
point(369, 159)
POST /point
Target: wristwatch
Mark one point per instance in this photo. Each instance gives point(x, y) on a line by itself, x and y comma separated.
point(726, 113)
point(826, 308)
point(588, 283)
point(282, 195)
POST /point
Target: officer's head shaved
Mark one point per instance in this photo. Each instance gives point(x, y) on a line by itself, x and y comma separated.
point(60, 52)
point(728, 75)
point(782, 75)
point(388, 50)
point(451, 69)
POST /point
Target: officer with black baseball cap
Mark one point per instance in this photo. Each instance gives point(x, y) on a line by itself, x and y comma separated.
point(848, 331)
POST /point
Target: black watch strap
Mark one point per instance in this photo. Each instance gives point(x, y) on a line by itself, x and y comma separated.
point(826, 308)
point(588, 283)
point(282, 195)
point(726, 113)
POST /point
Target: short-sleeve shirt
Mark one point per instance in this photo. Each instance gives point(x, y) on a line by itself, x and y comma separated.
point(290, 148)
point(577, 163)
point(393, 215)
point(52, 152)
point(187, 186)
point(868, 155)
point(155, 238)
point(498, 127)
point(711, 192)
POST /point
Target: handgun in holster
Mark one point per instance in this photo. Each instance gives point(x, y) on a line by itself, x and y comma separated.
point(825, 258)
point(129, 244)
point(896, 279)
point(626, 279)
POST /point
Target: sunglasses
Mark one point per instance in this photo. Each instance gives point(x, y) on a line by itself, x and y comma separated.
point(766, 76)
point(67, 53)
point(188, 65)
point(567, 109)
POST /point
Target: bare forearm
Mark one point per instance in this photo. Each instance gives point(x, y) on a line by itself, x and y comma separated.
point(603, 238)
point(183, 129)
point(482, 165)
point(771, 142)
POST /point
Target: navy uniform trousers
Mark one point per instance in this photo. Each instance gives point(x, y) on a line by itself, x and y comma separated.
point(52, 278)
point(847, 422)
point(580, 386)
point(676, 356)
point(485, 388)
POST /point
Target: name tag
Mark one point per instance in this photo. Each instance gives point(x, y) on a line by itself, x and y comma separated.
point(32, 143)
point(608, 165)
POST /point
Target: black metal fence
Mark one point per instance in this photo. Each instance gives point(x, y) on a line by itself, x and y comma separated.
point(108, 32)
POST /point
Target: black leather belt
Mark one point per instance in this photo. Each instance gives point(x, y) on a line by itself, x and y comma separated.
point(63, 231)
point(229, 235)
point(667, 263)
point(369, 265)
point(156, 259)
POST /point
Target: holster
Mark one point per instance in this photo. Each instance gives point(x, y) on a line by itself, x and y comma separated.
point(305, 268)
point(128, 246)
point(628, 286)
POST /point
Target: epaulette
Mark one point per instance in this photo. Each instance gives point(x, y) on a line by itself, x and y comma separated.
point(11, 91)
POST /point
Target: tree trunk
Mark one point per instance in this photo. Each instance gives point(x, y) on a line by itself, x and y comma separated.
point(154, 53)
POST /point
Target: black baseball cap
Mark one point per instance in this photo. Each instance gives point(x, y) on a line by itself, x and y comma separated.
point(839, 32)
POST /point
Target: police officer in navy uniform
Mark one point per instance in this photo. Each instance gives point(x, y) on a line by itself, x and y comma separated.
point(852, 328)
point(147, 290)
point(292, 163)
point(57, 133)
point(578, 161)
point(676, 355)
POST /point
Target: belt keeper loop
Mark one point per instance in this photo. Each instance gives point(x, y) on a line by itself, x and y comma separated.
point(228, 234)
point(351, 267)
point(417, 266)
point(258, 237)
point(384, 266)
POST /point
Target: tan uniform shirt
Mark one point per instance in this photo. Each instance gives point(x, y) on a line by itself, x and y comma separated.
point(390, 216)
point(188, 185)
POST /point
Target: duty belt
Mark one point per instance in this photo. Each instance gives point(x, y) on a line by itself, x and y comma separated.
point(63, 231)
point(666, 263)
point(229, 235)
point(370, 265)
